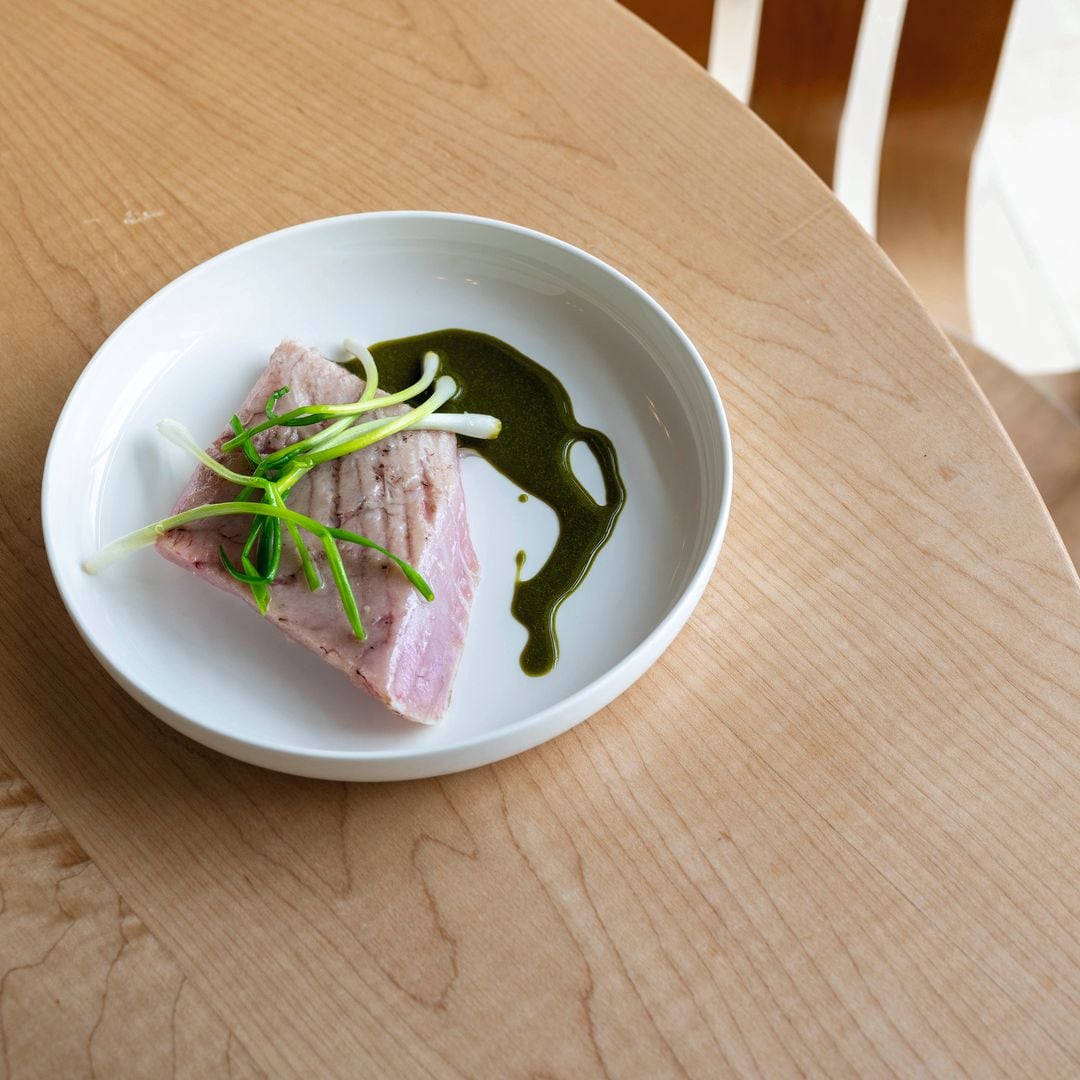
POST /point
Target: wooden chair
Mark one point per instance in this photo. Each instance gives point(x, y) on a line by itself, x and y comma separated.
point(946, 61)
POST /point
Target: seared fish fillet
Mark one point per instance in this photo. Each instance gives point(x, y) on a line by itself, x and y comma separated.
point(404, 493)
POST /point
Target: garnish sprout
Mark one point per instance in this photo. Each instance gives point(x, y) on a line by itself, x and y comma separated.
point(264, 491)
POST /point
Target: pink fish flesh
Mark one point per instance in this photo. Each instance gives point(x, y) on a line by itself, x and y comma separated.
point(404, 493)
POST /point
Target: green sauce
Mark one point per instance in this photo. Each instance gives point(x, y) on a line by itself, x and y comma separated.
point(533, 450)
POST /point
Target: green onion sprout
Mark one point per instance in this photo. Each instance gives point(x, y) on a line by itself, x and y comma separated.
point(264, 491)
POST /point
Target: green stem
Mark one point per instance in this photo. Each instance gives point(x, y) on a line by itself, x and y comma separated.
point(311, 571)
point(341, 580)
point(145, 536)
point(249, 451)
point(444, 390)
point(414, 576)
point(312, 414)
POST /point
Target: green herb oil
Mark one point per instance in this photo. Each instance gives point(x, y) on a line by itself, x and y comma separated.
point(533, 450)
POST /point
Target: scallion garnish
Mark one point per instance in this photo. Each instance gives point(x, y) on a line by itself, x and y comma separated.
point(274, 475)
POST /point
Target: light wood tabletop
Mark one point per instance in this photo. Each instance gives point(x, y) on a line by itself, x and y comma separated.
point(834, 831)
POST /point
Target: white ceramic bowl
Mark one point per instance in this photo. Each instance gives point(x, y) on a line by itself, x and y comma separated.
point(206, 664)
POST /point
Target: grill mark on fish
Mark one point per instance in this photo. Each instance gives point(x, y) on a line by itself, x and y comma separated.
point(336, 480)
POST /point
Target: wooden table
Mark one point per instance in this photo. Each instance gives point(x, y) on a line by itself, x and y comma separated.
point(834, 832)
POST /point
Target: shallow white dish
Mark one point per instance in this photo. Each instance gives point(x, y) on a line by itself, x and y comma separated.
point(206, 664)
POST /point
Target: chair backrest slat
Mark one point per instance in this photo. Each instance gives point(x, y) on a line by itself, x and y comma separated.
point(944, 74)
point(688, 23)
point(805, 52)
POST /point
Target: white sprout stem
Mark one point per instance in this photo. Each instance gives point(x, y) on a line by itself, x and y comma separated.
point(145, 536)
point(475, 425)
point(367, 403)
point(178, 435)
point(371, 371)
point(115, 551)
point(427, 377)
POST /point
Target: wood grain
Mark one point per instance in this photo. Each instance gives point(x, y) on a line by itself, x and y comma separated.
point(85, 988)
point(833, 832)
